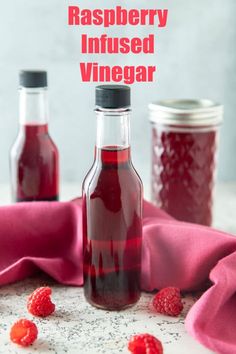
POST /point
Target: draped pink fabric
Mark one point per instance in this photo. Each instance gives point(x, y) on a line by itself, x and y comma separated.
point(47, 236)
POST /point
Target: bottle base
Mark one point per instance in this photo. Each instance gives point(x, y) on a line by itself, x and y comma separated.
point(114, 291)
point(111, 307)
point(37, 199)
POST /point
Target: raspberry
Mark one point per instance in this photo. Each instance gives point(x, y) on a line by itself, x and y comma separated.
point(23, 332)
point(145, 344)
point(39, 302)
point(168, 301)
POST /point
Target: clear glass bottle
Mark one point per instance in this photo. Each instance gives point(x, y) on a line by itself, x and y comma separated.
point(34, 158)
point(112, 208)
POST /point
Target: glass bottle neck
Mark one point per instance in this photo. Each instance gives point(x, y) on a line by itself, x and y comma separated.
point(113, 128)
point(113, 135)
point(33, 106)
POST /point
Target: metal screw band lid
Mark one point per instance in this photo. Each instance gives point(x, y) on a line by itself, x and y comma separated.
point(186, 112)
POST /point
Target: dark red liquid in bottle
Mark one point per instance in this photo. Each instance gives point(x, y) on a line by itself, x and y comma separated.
point(183, 171)
point(112, 230)
point(34, 165)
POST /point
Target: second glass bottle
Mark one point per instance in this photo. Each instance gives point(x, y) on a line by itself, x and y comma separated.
point(34, 158)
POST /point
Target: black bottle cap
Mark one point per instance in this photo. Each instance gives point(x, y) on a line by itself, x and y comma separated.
point(113, 96)
point(33, 78)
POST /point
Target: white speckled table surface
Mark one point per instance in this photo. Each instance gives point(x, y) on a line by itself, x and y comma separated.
point(76, 327)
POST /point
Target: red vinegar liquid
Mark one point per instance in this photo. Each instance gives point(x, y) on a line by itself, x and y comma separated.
point(183, 171)
point(34, 165)
point(112, 230)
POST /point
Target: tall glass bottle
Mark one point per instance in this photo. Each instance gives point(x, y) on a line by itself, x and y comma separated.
point(112, 208)
point(34, 158)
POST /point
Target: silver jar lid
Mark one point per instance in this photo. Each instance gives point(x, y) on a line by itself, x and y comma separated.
point(186, 112)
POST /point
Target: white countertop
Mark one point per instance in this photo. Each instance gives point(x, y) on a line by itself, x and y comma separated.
point(76, 327)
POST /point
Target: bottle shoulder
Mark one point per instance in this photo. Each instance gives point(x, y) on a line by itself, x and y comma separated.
point(88, 178)
point(52, 142)
point(41, 144)
point(17, 144)
point(109, 179)
point(137, 175)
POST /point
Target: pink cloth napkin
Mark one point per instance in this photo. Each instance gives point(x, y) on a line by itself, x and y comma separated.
point(47, 236)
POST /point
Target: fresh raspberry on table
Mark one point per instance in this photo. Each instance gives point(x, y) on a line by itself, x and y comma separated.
point(168, 301)
point(39, 302)
point(23, 332)
point(145, 344)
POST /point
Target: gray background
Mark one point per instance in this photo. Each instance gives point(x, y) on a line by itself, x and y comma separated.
point(195, 55)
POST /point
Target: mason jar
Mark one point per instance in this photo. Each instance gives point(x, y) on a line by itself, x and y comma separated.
point(184, 151)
